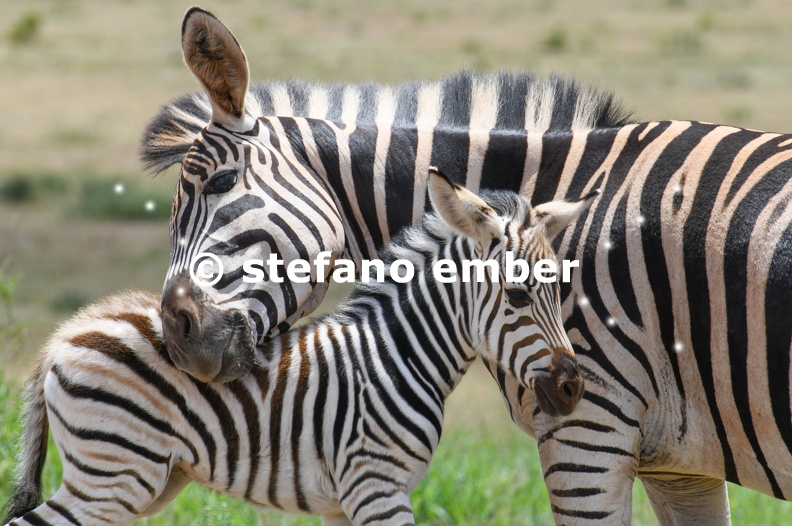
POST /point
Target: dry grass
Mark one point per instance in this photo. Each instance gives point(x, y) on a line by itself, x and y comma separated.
point(77, 95)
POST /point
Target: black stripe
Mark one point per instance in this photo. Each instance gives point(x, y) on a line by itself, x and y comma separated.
point(262, 94)
point(580, 514)
point(450, 152)
point(343, 406)
point(619, 263)
point(569, 467)
point(335, 97)
point(504, 160)
point(400, 178)
point(407, 105)
point(779, 334)
point(303, 384)
point(320, 400)
point(512, 95)
point(276, 415)
point(109, 474)
point(298, 96)
point(610, 407)
point(564, 103)
point(362, 145)
point(385, 515)
point(577, 492)
point(585, 446)
point(33, 518)
point(63, 512)
point(555, 150)
point(583, 424)
point(457, 99)
point(252, 413)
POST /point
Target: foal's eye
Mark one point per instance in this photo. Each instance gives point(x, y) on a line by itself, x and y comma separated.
point(519, 297)
point(221, 183)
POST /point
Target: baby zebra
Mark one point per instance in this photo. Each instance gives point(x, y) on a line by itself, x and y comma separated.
point(338, 418)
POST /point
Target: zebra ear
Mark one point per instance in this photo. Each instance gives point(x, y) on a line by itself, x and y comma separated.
point(463, 210)
point(555, 216)
point(218, 62)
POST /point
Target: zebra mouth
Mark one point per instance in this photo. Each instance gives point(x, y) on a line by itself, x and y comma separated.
point(544, 403)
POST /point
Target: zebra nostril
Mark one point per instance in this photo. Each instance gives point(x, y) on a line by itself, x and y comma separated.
point(569, 391)
point(186, 326)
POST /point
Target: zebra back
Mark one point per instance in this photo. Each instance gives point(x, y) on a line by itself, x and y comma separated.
point(501, 101)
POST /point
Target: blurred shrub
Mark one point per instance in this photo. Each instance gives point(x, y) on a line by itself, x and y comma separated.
point(26, 29)
point(100, 199)
point(738, 114)
point(52, 183)
point(681, 42)
point(23, 187)
point(17, 189)
point(735, 79)
point(11, 332)
point(555, 41)
point(705, 21)
point(69, 301)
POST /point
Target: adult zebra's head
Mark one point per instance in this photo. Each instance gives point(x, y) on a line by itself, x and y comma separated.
point(513, 323)
point(242, 196)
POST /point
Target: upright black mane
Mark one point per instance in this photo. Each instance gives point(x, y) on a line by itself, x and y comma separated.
point(507, 100)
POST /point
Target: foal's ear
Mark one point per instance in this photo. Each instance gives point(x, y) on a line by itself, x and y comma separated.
point(555, 216)
point(463, 210)
point(218, 62)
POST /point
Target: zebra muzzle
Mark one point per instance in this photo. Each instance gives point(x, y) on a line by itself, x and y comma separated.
point(208, 343)
point(558, 392)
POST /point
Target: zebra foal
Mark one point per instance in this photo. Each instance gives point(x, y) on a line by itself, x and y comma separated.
point(338, 418)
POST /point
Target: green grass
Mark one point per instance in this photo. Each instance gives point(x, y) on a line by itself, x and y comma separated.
point(480, 475)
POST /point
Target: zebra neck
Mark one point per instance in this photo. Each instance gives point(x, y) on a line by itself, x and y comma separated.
point(413, 332)
point(377, 174)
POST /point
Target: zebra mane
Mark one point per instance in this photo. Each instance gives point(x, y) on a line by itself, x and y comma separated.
point(506, 101)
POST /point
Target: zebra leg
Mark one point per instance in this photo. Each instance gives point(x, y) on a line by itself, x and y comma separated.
point(177, 481)
point(70, 505)
point(589, 463)
point(689, 499)
point(377, 504)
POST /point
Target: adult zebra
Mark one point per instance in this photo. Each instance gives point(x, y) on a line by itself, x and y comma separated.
point(689, 241)
point(340, 418)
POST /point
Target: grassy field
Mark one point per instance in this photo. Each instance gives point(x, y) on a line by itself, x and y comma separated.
point(82, 77)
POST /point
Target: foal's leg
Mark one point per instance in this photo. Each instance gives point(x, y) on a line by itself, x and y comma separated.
point(177, 481)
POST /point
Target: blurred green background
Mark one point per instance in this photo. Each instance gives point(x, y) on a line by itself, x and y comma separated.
point(79, 219)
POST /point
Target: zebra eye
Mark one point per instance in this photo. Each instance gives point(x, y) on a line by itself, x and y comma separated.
point(221, 183)
point(519, 298)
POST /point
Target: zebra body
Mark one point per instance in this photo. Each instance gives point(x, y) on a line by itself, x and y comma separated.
point(338, 418)
point(679, 311)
